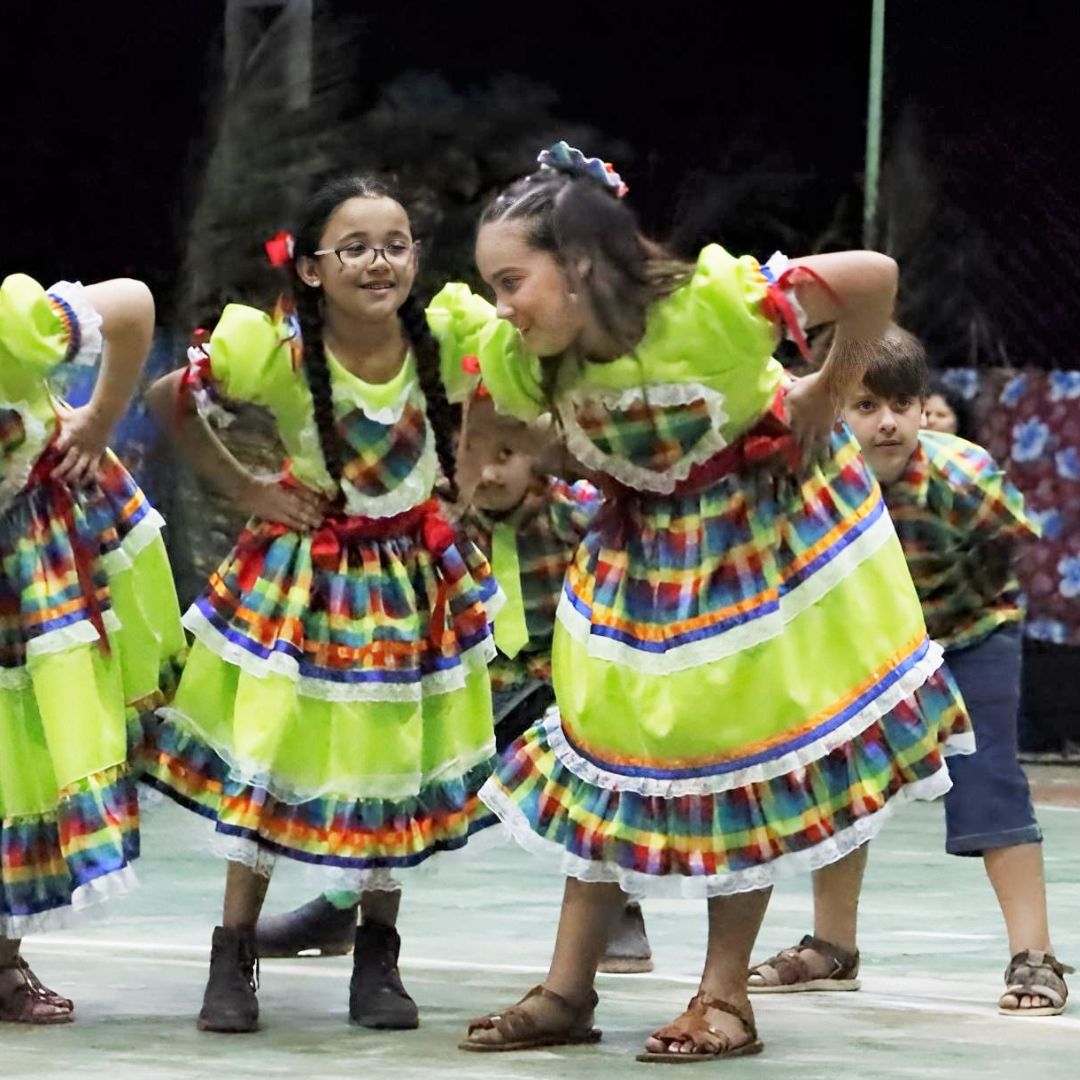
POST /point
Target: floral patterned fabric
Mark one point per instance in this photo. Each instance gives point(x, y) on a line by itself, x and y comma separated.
point(1031, 424)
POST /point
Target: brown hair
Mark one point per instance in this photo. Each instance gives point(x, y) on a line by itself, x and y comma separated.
point(579, 221)
point(898, 366)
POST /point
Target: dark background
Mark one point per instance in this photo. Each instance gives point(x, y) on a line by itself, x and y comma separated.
point(744, 123)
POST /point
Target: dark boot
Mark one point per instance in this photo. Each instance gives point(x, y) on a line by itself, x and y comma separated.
point(316, 926)
point(229, 1003)
point(376, 997)
point(628, 951)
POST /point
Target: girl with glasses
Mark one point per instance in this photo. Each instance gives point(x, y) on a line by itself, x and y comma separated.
point(336, 709)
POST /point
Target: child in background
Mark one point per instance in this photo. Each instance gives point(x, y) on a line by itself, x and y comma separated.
point(959, 521)
point(945, 410)
point(528, 523)
point(89, 624)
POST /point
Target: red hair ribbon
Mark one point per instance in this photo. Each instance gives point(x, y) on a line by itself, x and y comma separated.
point(279, 248)
point(470, 364)
point(196, 375)
point(777, 306)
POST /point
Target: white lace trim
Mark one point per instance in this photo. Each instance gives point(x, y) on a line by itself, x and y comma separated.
point(90, 339)
point(252, 854)
point(213, 412)
point(19, 464)
point(442, 682)
point(377, 786)
point(413, 490)
point(106, 887)
point(70, 637)
point(626, 472)
point(140, 537)
point(748, 880)
point(388, 415)
point(595, 774)
point(739, 638)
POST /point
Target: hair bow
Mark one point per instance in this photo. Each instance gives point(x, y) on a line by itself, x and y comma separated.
point(470, 365)
point(279, 248)
point(563, 157)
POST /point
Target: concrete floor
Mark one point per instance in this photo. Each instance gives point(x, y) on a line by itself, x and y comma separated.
point(478, 933)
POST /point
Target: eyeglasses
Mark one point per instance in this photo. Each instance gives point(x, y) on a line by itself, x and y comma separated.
point(356, 255)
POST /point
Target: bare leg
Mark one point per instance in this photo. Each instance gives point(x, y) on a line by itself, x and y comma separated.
point(836, 898)
point(587, 912)
point(1017, 876)
point(245, 891)
point(588, 909)
point(9, 951)
point(734, 922)
point(380, 906)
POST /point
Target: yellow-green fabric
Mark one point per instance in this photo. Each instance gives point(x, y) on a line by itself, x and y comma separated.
point(709, 332)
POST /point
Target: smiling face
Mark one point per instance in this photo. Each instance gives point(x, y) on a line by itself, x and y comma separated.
point(887, 430)
point(530, 288)
point(496, 459)
point(364, 288)
point(939, 416)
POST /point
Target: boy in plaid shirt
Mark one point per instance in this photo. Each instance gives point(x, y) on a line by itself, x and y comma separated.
point(959, 521)
point(528, 523)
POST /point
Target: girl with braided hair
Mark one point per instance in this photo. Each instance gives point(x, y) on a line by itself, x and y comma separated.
point(336, 709)
point(743, 678)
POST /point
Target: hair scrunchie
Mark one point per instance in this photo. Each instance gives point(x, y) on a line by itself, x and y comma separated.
point(562, 157)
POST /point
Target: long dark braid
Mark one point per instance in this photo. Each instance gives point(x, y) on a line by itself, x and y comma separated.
point(317, 372)
point(318, 211)
point(428, 365)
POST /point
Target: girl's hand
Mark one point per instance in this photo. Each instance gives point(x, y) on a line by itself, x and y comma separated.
point(82, 440)
point(813, 414)
point(296, 507)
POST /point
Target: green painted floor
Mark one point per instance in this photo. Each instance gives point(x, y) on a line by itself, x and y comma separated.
point(478, 933)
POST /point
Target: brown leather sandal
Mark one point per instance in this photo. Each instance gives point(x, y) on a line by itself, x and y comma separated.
point(709, 1044)
point(788, 972)
point(29, 1001)
point(519, 1029)
point(1034, 973)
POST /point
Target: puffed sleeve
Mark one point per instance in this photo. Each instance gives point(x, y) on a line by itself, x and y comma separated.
point(40, 328)
point(713, 325)
point(465, 325)
point(251, 358)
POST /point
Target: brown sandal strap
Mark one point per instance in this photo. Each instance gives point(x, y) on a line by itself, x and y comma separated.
point(846, 960)
point(1034, 973)
point(515, 1023)
point(693, 1026)
point(29, 993)
point(792, 969)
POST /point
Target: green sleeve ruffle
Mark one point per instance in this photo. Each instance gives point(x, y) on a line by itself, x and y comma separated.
point(251, 359)
point(466, 325)
point(37, 331)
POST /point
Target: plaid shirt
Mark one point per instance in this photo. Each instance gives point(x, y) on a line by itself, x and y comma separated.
point(547, 537)
point(959, 520)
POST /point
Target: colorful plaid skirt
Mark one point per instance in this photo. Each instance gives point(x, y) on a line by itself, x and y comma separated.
point(744, 684)
point(90, 635)
point(336, 707)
